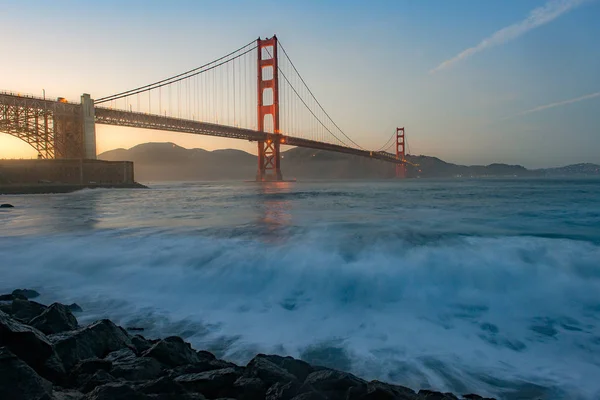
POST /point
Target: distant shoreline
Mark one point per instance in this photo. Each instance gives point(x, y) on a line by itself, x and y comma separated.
point(43, 188)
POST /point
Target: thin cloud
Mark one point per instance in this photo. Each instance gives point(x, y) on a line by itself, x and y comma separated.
point(558, 104)
point(537, 17)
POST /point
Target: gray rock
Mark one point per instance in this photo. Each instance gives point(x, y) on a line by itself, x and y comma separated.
point(202, 366)
point(53, 370)
point(432, 395)
point(6, 205)
point(141, 344)
point(74, 307)
point(122, 355)
point(25, 342)
point(27, 293)
point(95, 340)
point(19, 381)
point(329, 380)
point(268, 372)
point(212, 384)
point(300, 369)
point(376, 390)
point(283, 391)
point(90, 366)
point(115, 391)
point(249, 388)
point(65, 394)
point(206, 355)
point(11, 297)
point(161, 385)
point(99, 378)
point(55, 319)
point(310, 396)
point(137, 369)
point(172, 351)
point(26, 310)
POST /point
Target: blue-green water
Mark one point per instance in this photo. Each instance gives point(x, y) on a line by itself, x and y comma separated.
point(487, 286)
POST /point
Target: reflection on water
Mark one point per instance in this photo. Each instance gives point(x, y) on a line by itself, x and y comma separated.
point(274, 210)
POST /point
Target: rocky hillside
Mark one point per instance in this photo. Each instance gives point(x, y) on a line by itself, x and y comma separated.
point(167, 161)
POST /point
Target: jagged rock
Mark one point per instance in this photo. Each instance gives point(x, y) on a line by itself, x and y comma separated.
point(25, 342)
point(212, 384)
point(55, 319)
point(26, 310)
point(27, 293)
point(141, 344)
point(134, 329)
point(268, 372)
point(172, 351)
point(11, 297)
point(310, 396)
point(176, 396)
point(164, 384)
point(249, 388)
point(6, 306)
point(376, 390)
point(206, 355)
point(91, 365)
point(67, 395)
point(331, 381)
point(283, 391)
point(431, 395)
point(298, 368)
point(74, 307)
point(125, 354)
point(53, 370)
point(6, 205)
point(19, 381)
point(137, 369)
point(115, 391)
point(476, 397)
point(99, 378)
point(95, 340)
point(202, 366)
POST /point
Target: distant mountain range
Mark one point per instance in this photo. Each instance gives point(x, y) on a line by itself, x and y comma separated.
point(167, 161)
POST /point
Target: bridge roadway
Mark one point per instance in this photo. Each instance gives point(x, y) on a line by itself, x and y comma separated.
point(108, 116)
point(34, 105)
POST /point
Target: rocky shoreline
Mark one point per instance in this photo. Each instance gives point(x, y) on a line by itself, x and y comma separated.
point(46, 355)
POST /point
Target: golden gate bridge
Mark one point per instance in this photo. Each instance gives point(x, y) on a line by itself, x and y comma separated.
point(254, 93)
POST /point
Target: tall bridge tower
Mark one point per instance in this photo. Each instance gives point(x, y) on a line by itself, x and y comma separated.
point(269, 158)
point(400, 153)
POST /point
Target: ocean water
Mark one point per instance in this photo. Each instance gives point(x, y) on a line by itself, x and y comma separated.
point(489, 286)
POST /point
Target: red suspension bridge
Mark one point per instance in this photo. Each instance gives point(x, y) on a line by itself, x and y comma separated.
point(254, 93)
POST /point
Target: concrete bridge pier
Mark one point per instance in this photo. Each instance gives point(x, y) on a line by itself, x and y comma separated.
point(88, 121)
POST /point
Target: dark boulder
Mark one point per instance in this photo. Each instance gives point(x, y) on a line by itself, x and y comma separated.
point(172, 351)
point(212, 384)
point(55, 319)
point(376, 390)
point(137, 369)
point(333, 384)
point(11, 297)
point(283, 391)
point(431, 395)
point(90, 366)
point(202, 366)
point(268, 372)
point(66, 394)
point(25, 342)
point(141, 344)
point(95, 340)
point(115, 391)
point(99, 378)
point(206, 355)
point(6, 205)
point(26, 310)
point(476, 397)
point(161, 385)
point(249, 388)
point(135, 329)
point(310, 396)
point(27, 293)
point(74, 307)
point(300, 369)
point(53, 370)
point(19, 381)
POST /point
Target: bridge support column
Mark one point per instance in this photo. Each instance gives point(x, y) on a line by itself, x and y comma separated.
point(269, 158)
point(400, 154)
point(89, 126)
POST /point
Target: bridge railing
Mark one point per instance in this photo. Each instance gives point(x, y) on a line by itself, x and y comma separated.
point(35, 97)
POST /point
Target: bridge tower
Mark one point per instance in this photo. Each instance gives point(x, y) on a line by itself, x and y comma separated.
point(400, 154)
point(269, 158)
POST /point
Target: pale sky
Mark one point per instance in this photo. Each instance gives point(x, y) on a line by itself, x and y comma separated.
point(473, 82)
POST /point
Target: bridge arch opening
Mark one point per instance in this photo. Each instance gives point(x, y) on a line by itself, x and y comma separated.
point(13, 146)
